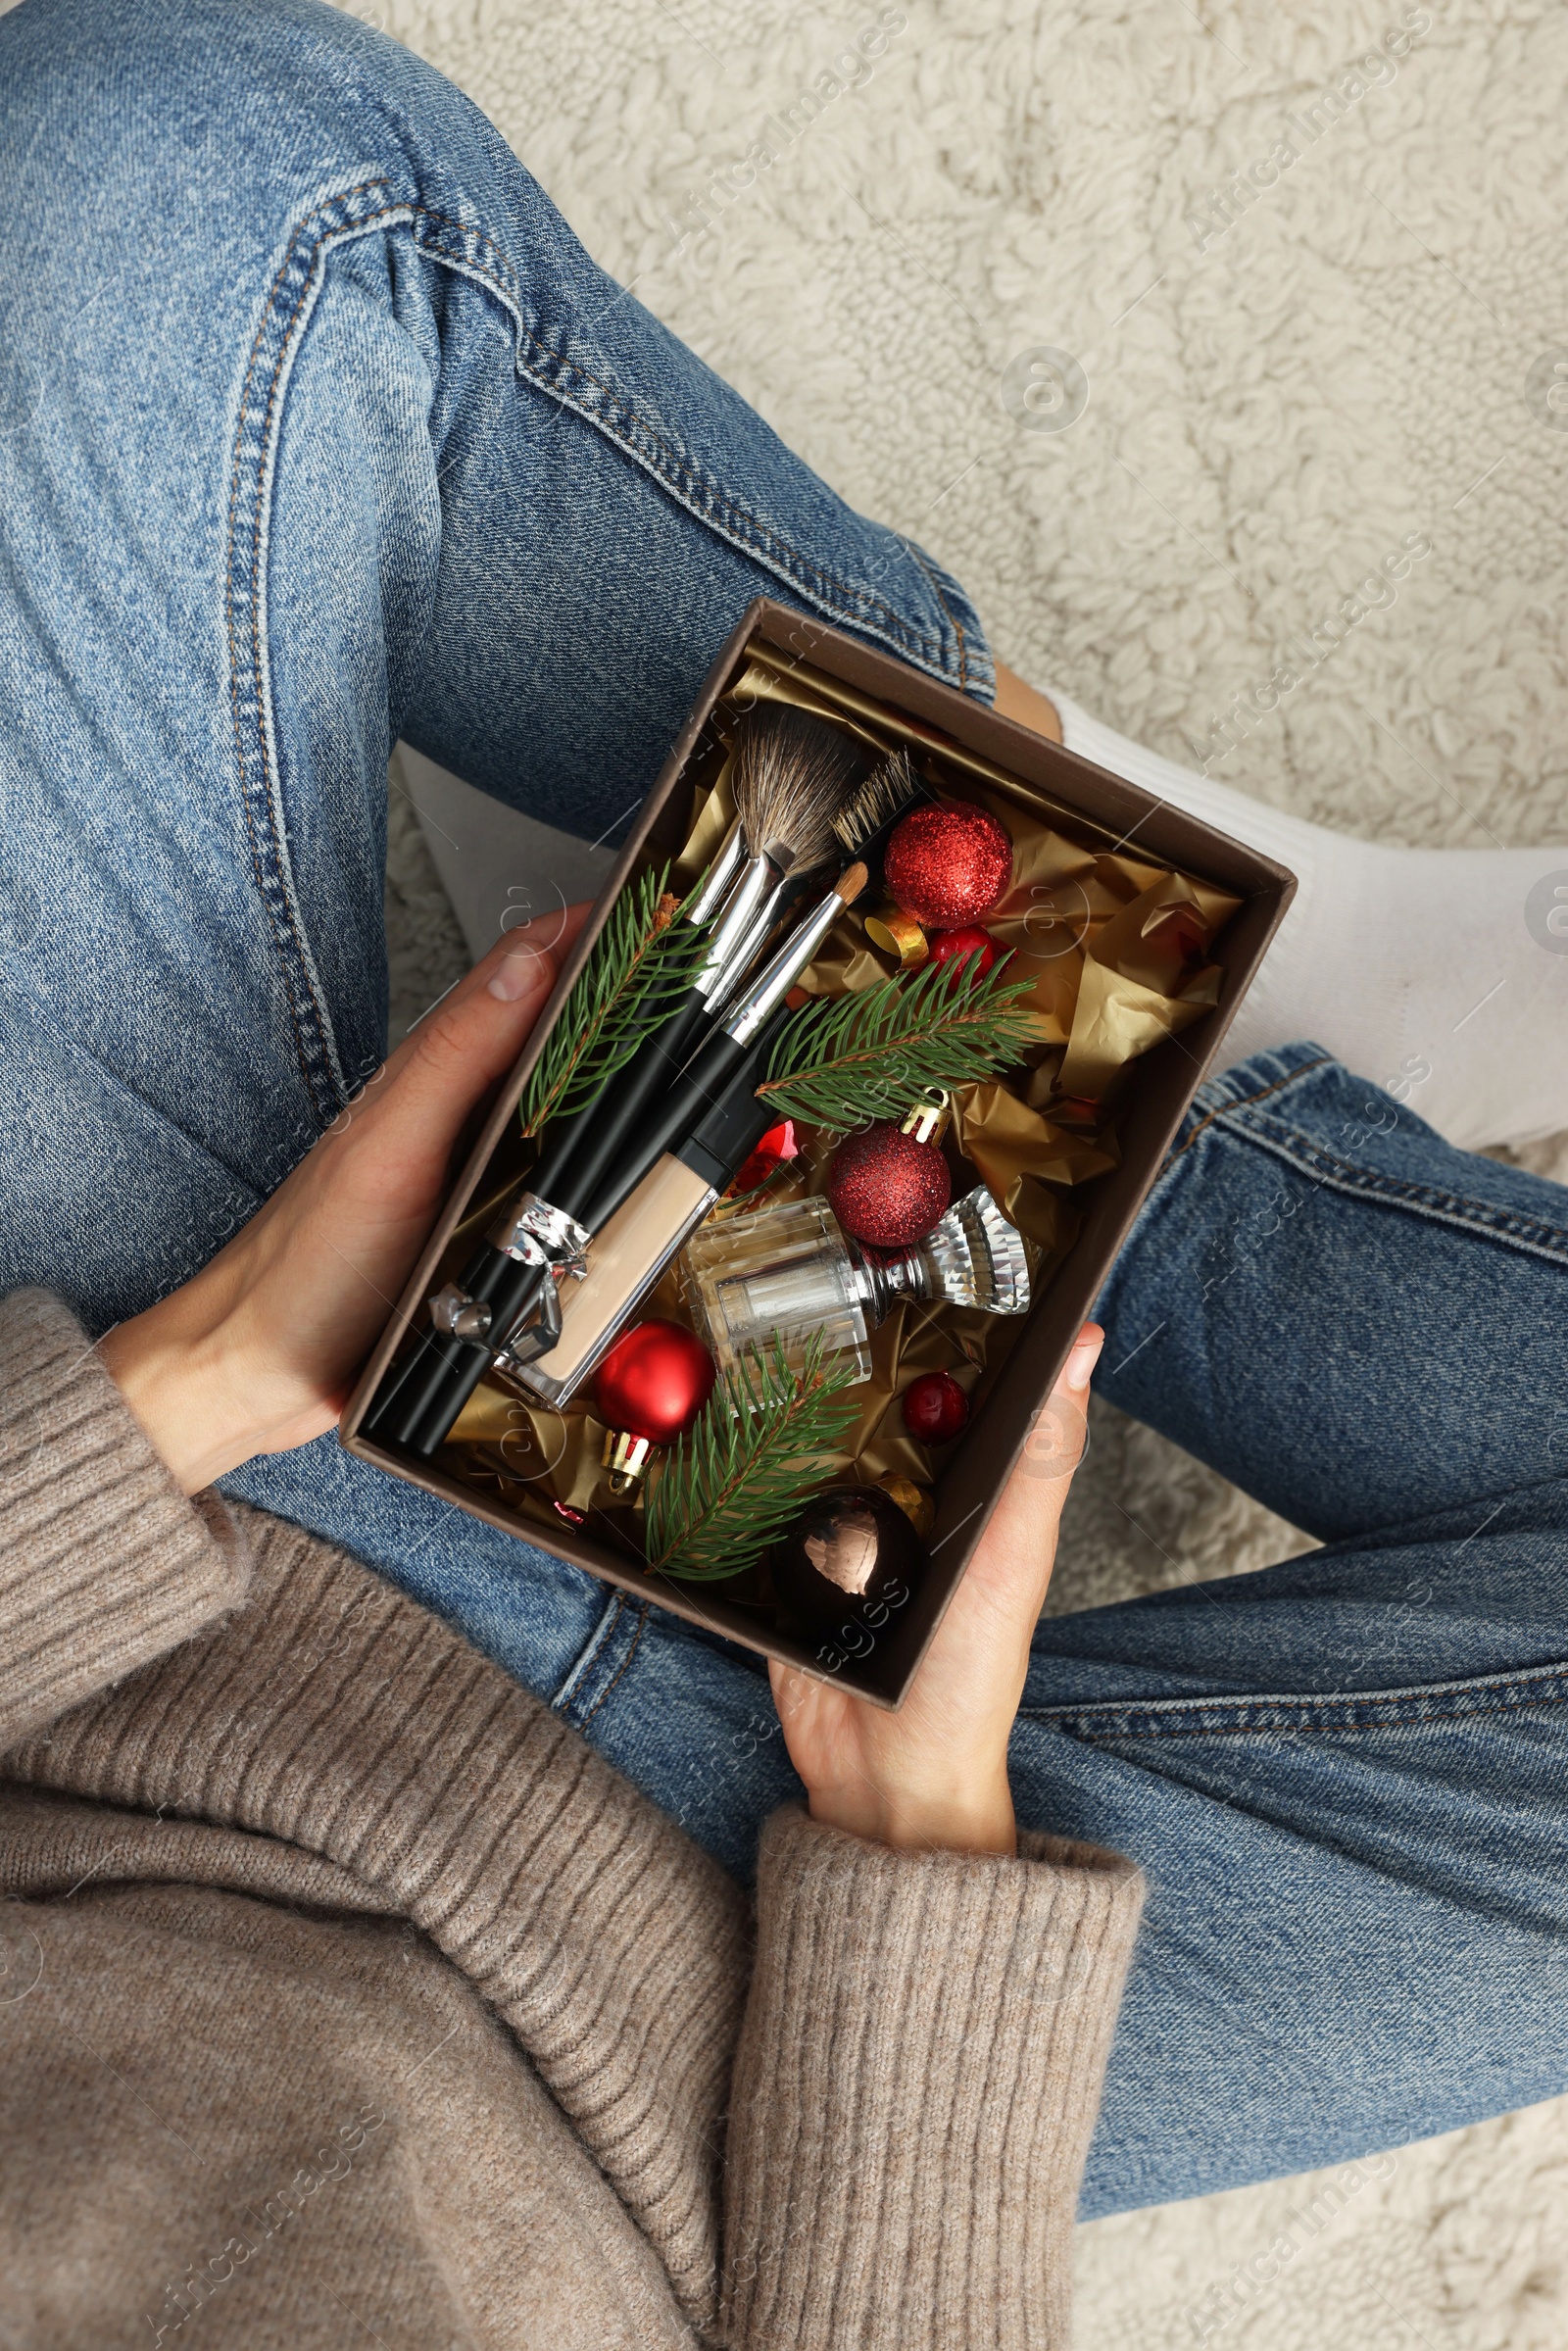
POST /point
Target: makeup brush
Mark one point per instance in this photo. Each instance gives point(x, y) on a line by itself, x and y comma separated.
point(516, 1266)
point(861, 824)
point(793, 774)
point(865, 819)
point(711, 1068)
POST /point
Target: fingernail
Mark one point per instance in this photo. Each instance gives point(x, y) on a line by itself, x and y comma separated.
point(1081, 1363)
point(516, 975)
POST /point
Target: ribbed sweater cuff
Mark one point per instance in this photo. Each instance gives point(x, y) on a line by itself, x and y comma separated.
point(104, 1562)
point(918, 2078)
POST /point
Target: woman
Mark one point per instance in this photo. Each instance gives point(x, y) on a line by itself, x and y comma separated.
point(364, 1982)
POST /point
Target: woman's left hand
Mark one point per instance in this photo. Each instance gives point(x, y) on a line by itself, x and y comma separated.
point(258, 1351)
point(934, 1774)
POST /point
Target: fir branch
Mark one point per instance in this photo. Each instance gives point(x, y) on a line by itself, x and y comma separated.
point(847, 1059)
point(739, 1476)
point(641, 965)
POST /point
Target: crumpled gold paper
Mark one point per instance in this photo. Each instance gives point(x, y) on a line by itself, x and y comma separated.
point(1104, 937)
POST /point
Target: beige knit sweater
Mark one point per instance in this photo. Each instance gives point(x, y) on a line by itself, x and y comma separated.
point(347, 1997)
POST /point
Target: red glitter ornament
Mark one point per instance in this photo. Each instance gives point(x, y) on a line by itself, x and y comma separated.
point(948, 865)
point(935, 1407)
point(967, 945)
point(653, 1382)
point(886, 1188)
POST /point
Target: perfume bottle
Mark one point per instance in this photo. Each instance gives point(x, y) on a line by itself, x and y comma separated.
point(789, 1272)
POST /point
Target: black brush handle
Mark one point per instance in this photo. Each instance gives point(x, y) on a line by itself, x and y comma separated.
point(433, 1383)
point(416, 1409)
point(621, 1109)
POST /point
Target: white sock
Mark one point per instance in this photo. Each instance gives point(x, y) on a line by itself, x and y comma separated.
point(1423, 969)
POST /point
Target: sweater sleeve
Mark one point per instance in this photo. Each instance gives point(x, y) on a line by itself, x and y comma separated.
point(104, 1562)
point(916, 2083)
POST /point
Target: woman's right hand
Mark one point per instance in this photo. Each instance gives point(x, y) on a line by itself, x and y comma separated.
point(257, 1354)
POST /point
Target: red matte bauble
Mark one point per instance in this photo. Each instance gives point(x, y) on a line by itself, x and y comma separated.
point(653, 1382)
point(935, 1407)
point(886, 1188)
point(948, 865)
point(968, 946)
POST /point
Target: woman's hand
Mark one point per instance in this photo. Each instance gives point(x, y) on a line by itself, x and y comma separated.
point(258, 1352)
point(935, 1773)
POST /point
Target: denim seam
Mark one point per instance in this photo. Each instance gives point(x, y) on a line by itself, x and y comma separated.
point(333, 222)
point(720, 512)
point(1300, 1151)
point(688, 482)
point(953, 621)
point(1371, 1710)
point(250, 679)
point(631, 1651)
point(609, 1617)
point(1223, 1110)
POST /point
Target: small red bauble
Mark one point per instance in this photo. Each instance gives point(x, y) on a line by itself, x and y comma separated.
point(967, 945)
point(1183, 929)
point(935, 1407)
point(777, 1145)
point(887, 1188)
point(948, 865)
point(653, 1382)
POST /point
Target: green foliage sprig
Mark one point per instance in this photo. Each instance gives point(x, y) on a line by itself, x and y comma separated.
point(847, 1059)
point(737, 1477)
point(641, 965)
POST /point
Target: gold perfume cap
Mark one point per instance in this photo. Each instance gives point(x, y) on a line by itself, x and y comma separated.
point(626, 1458)
point(897, 934)
point(927, 1119)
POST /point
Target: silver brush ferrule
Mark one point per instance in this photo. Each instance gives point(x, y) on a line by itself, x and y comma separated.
point(718, 878)
point(759, 878)
point(746, 953)
point(774, 982)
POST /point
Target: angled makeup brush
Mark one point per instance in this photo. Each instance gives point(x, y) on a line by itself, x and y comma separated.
point(865, 819)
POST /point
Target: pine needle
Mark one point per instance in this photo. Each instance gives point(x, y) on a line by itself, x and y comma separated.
point(740, 1475)
point(848, 1059)
point(642, 964)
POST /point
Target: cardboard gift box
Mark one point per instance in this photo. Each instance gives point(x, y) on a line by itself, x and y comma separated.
point(779, 652)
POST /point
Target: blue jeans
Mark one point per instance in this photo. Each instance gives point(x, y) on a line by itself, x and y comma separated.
point(316, 427)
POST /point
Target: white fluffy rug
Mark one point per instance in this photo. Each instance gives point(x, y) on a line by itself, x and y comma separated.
point(1354, 347)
